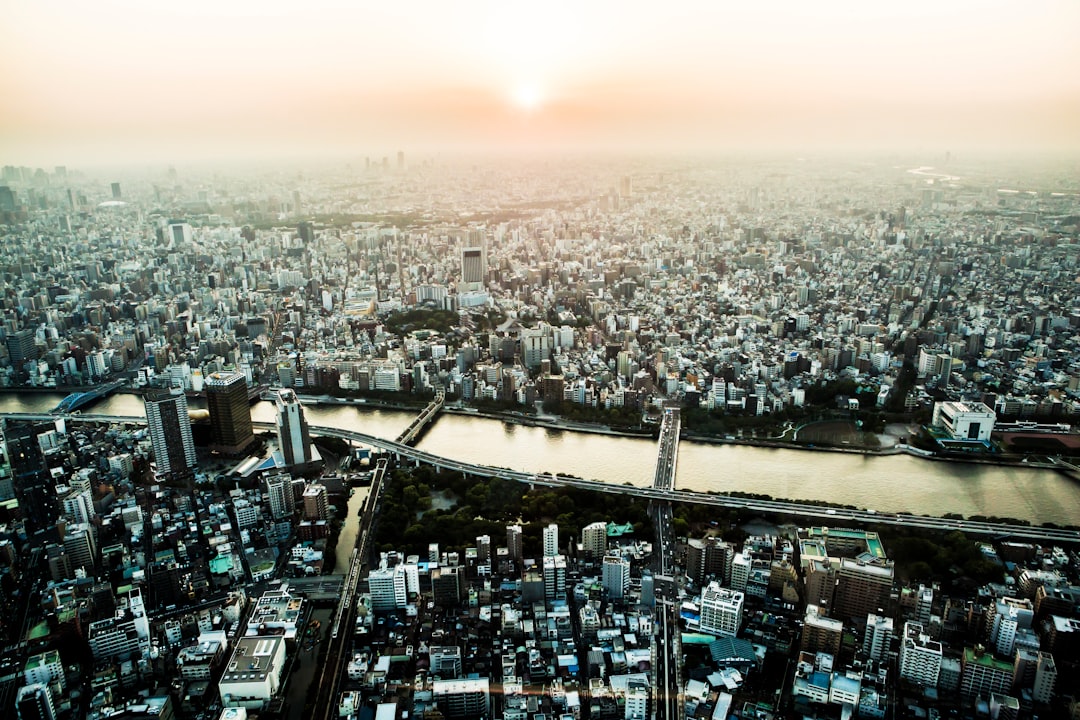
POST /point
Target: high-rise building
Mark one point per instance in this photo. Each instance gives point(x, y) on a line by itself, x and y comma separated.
point(820, 633)
point(473, 266)
point(1045, 679)
point(316, 505)
point(81, 547)
point(878, 637)
point(230, 412)
point(862, 588)
point(554, 577)
point(551, 540)
point(170, 433)
point(279, 491)
point(981, 673)
point(920, 657)
point(1009, 616)
point(22, 346)
point(514, 543)
point(44, 668)
point(616, 576)
point(709, 558)
point(594, 540)
point(35, 702)
point(294, 437)
point(721, 610)
point(483, 549)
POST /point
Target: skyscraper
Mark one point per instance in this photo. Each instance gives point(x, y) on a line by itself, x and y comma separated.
point(230, 412)
point(474, 261)
point(293, 434)
point(170, 433)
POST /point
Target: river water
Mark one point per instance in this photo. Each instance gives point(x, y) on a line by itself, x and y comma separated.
point(894, 483)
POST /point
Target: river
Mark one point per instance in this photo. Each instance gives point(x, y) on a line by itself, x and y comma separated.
point(892, 483)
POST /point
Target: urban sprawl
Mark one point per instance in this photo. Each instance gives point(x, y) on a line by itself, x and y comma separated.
point(186, 564)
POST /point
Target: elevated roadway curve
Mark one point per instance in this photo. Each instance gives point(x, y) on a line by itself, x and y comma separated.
point(832, 516)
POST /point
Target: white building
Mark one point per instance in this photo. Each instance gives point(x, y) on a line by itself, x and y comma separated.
point(551, 540)
point(878, 637)
point(554, 576)
point(721, 610)
point(461, 698)
point(616, 576)
point(1010, 615)
point(964, 420)
point(920, 657)
point(253, 675)
point(44, 668)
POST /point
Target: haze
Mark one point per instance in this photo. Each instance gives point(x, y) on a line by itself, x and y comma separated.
point(126, 81)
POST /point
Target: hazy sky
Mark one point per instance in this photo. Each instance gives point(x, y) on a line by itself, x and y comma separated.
point(142, 80)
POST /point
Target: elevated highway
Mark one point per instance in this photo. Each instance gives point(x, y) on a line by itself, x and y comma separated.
point(815, 512)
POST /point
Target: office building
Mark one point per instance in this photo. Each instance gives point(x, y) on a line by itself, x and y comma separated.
point(473, 266)
point(294, 437)
point(920, 657)
point(594, 541)
point(230, 413)
point(616, 576)
point(721, 610)
point(169, 426)
point(35, 702)
point(80, 546)
point(388, 587)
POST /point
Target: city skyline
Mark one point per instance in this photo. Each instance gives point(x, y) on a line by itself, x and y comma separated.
point(120, 82)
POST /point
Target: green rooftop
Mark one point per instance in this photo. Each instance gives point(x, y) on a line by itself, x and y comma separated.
point(987, 661)
point(614, 530)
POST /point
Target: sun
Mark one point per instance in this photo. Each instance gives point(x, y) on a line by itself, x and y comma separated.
point(528, 97)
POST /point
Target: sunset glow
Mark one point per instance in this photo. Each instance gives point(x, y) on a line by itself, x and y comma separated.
point(119, 79)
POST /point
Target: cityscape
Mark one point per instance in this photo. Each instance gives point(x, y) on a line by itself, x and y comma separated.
point(530, 364)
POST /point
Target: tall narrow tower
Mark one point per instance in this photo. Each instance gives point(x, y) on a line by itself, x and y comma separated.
point(170, 433)
point(293, 434)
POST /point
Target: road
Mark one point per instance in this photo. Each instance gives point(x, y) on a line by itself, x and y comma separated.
point(797, 509)
point(666, 650)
